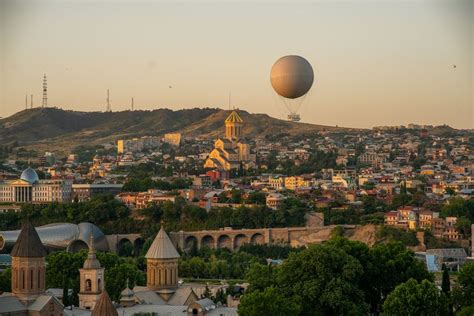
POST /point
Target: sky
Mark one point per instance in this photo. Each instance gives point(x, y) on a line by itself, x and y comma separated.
point(382, 62)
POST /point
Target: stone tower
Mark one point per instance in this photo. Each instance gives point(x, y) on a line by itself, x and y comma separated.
point(162, 265)
point(28, 265)
point(233, 126)
point(91, 279)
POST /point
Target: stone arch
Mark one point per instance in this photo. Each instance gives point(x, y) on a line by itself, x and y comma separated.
point(208, 241)
point(138, 246)
point(125, 247)
point(257, 239)
point(224, 241)
point(190, 242)
point(77, 245)
point(239, 240)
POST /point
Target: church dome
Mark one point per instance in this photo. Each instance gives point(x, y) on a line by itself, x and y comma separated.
point(29, 175)
point(128, 293)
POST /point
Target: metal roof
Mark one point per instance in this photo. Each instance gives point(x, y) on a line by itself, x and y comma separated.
point(162, 247)
point(28, 243)
point(10, 304)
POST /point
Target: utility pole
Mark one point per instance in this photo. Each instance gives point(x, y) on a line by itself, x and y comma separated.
point(109, 108)
point(45, 93)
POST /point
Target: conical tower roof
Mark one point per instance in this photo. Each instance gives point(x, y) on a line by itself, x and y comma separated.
point(28, 243)
point(162, 247)
point(104, 306)
point(234, 118)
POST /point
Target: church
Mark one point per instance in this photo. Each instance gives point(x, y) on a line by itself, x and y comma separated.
point(231, 152)
point(162, 295)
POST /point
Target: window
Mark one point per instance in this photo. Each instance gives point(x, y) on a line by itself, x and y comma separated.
point(23, 279)
point(88, 285)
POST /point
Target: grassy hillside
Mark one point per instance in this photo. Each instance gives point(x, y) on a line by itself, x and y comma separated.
point(53, 128)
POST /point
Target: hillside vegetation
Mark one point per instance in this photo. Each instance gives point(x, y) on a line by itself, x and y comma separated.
point(57, 127)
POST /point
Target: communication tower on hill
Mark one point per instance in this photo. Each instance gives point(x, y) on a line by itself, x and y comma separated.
point(26, 101)
point(45, 93)
point(31, 101)
point(109, 108)
point(132, 104)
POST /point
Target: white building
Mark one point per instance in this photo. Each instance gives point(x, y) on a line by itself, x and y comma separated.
point(29, 189)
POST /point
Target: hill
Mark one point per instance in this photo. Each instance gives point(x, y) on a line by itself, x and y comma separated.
point(60, 128)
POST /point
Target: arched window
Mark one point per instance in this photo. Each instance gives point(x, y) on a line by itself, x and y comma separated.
point(99, 285)
point(31, 279)
point(39, 278)
point(23, 279)
point(88, 285)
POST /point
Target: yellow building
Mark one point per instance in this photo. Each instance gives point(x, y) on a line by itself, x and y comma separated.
point(231, 152)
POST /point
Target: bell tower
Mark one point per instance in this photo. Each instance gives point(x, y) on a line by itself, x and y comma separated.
point(91, 279)
point(162, 265)
point(233, 126)
point(28, 265)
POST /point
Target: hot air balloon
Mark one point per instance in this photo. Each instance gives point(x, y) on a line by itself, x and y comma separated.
point(292, 77)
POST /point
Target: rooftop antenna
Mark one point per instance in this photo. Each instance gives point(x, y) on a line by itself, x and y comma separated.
point(31, 101)
point(45, 93)
point(109, 108)
point(132, 104)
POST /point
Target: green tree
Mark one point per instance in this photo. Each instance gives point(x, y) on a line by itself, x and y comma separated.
point(268, 302)
point(207, 293)
point(415, 299)
point(5, 280)
point(463, 293)
point(389, 265)
point(260, 276)
point(463, 226)
point(445, 283)
point(116, 276)
point(326, 278)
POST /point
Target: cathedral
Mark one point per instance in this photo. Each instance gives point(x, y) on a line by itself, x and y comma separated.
point(231, 152)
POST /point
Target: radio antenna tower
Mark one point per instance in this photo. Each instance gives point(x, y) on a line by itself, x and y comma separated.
point(26, 101)
point(31, 101)
point(109, 108)
point(132, 104)
point(45, 93)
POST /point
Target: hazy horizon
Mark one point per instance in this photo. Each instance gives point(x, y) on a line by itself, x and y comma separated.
point(376, 62)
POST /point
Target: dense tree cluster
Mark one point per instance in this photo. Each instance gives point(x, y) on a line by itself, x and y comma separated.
point(224, 264)
point(100, 210)
point(182, 216)
point(62, 271)
point(317, 160)
point(339, 277)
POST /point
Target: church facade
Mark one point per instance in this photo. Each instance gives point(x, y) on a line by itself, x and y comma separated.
point(231, 152)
